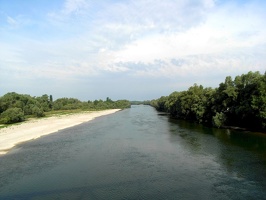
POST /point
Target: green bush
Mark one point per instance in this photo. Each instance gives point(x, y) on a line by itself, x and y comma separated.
point(219, 120)
point(12, 115)
point(37, 112)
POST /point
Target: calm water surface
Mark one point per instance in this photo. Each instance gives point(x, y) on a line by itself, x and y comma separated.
point(137, 153)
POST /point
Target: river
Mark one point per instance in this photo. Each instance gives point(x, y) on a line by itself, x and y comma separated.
point(137, 153)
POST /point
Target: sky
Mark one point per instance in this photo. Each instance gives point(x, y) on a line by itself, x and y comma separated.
point(127, 49)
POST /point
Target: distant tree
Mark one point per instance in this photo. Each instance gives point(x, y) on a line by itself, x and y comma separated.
point(51, 102)
point(95, 102)
point(160, 104)
point(51, 98)
point(121, 104)
point(108, 100)
point(44, 102)
point(67, 104)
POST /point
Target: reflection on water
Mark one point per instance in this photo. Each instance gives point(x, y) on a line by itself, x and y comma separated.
point(137, 154)
point(247, 140)
point(241, 155)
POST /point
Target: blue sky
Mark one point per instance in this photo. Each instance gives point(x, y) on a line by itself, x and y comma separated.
point(130, 49)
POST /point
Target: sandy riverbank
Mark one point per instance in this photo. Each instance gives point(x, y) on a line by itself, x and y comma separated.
point(36, 128)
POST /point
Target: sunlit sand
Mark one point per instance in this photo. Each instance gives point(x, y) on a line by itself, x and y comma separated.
point(32, 129)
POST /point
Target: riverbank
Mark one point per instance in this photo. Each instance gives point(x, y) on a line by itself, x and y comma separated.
point(35, 128)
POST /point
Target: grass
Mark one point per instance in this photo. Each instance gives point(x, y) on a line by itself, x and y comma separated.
point(3, 126)
point(56, 113)
point(65, 112)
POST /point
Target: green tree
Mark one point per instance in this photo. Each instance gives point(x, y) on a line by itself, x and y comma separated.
point(160, 104)
point(225, 100)
point(192, 103)
point(44, 102)
point(172, 104)
point(51, 102)
point(241, 102)
point(250, 107)
point(38, 112)
point(109, 100)
point(219, 119)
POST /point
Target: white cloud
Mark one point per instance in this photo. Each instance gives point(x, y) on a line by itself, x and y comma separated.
point(11, 21)
point(137, 31)
point(211, 44)
point(159, 16)
point(218, 43)
point(19, 21)
point(70, 14)
point(74, 6)
point(207, 38)
point(139, 39)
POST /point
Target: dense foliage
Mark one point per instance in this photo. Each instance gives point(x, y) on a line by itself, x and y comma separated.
point(240, 102)
point(14, 107)
point(12, 115)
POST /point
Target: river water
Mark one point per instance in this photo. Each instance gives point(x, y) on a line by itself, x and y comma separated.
point(137, 153)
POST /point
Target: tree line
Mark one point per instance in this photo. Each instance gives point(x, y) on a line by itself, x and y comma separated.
point(146, 102)
point(235, 103)
point(16, 107)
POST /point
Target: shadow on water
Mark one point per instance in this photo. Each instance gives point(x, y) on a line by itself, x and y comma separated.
point(252, 141)
point(238, 152)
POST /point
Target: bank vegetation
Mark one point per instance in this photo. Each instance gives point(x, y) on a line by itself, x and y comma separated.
point(238, 102)
point(16, 107)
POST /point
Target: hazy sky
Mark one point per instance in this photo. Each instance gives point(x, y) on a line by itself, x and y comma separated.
point(127, 49)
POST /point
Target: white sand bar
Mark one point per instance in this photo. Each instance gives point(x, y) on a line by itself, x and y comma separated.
point(32, 129)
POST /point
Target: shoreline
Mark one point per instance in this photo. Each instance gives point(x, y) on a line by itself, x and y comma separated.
point(12, 135)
